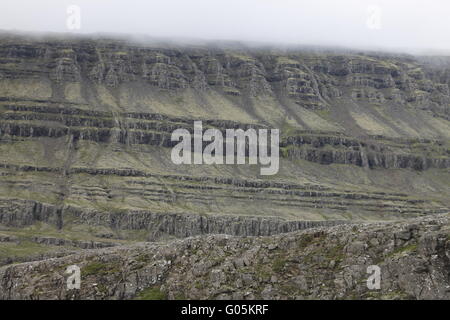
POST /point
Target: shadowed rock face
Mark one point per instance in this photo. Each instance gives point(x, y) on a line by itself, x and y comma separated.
point(157, 225)
point(324, 263)
point(85, 142)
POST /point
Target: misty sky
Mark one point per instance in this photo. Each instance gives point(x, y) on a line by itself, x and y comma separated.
point(394, 24)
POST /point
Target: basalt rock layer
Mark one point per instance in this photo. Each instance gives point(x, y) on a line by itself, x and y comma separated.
point(85, 140)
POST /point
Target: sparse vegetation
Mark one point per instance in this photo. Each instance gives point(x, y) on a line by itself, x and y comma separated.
point(278, 264)
point(98, 268)
point(152, 293)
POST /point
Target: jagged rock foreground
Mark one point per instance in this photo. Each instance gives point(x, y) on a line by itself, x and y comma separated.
point(85, 127)
point(319, 263)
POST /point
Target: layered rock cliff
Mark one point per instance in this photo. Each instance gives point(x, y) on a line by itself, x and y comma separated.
point(85, 142)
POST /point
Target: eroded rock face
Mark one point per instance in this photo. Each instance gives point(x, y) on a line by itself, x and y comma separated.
point(325, 263)
point(156, 225)
point(291, 80)
point(309, 78)
point(85, 142)
point(155, 129)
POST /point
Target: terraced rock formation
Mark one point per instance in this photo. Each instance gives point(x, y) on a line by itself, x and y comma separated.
point(85, 128)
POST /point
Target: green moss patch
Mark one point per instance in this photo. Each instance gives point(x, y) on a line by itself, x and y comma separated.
point(152, 293)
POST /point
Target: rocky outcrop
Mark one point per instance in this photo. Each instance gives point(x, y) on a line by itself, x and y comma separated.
point(156, 225)
point(319, 263)
point(187, 225)
point(8, 238)
point(52, 241)
point(368, 159)
point(24, 213)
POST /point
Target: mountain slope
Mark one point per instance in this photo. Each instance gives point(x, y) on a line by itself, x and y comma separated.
point(85, 128)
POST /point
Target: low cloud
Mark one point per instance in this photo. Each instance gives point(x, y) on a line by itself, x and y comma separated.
point(410, 25)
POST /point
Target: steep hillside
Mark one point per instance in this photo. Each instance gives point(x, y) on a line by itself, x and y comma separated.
point(85, 127)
